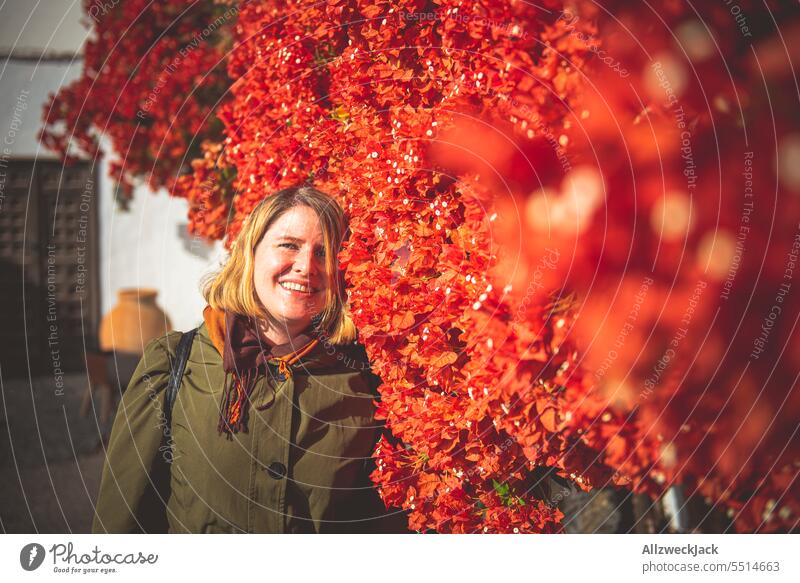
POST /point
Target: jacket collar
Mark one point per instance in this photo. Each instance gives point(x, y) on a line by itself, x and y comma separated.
point(236, 339)
point(244, 353)
point(323, 357)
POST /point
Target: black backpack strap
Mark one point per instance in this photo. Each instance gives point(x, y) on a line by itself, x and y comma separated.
point(176, 373)
point(151, 512)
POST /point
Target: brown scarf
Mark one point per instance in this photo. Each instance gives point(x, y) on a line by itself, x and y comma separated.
point(245, 354)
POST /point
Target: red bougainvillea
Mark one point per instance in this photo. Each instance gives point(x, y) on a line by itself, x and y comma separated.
point(153, 74)
point(480, 394)
point(486, 153)
point(674, 207)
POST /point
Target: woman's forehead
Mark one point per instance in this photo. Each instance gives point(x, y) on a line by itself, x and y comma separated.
point(299, 223)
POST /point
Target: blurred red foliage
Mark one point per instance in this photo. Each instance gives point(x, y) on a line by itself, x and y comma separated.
point(487, 153)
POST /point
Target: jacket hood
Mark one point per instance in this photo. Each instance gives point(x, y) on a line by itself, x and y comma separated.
point(300, 355)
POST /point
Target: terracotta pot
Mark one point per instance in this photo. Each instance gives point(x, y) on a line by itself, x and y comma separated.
point(133, 322)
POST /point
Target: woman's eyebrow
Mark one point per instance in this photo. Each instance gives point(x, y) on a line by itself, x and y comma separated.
point(298, 240)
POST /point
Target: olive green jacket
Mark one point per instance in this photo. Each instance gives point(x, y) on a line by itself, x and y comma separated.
point(301, 467)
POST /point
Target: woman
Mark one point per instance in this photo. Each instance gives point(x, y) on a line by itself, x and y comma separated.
point(273, 426)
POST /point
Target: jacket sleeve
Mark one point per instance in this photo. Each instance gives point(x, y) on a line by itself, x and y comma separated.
point(135, 480)
point(367, 512)
point(365, 509)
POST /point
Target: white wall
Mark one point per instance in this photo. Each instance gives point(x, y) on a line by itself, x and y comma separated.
point(138, 248)
point(24, 87)
point(30, 26)
point(141, 247)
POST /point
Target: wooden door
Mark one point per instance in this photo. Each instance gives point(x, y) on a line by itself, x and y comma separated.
point(49, 281)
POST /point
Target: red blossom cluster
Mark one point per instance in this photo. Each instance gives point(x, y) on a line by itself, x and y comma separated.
point(153, 75)
point(705, 204)
point(209, 190)
point(482, 398)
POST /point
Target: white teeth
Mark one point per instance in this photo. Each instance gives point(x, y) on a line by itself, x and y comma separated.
point(294, 286)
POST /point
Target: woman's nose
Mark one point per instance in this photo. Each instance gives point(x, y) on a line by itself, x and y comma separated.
point(304, 261)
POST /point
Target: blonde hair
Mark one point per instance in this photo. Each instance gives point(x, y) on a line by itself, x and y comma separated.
point(233, 288)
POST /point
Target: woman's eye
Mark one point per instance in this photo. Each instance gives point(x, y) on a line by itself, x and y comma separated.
point(295, 247)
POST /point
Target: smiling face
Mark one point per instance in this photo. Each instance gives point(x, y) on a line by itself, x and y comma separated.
point(290, 275)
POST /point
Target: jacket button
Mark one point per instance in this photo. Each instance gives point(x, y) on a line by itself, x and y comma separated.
point(276, 470)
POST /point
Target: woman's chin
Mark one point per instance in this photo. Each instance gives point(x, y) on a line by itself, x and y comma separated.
point(298, 320)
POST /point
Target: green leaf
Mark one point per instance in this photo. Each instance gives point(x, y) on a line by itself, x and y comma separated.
point(501, 489)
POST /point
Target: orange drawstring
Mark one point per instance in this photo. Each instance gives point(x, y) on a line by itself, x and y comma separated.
point(283, 364)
